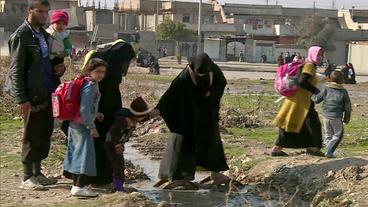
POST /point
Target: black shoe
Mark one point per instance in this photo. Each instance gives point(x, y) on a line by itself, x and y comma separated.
point(315, 153)
point(279, 154)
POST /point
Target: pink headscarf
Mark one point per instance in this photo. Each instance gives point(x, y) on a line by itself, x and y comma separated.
point(313, 54)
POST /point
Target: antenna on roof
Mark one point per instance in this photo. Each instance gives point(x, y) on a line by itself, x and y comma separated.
point(333, 4)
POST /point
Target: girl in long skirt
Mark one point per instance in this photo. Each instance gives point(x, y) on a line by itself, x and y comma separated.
point(80, 157)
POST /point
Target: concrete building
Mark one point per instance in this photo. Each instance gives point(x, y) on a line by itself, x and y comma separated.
point(353, 19)
point(14, 11)
point(20, 6)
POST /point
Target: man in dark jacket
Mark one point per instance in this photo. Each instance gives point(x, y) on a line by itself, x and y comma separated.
point(31, 79)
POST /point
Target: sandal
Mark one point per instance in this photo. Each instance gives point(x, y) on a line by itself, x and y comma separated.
point(185, 184)
point(279, 154)
point(219, 180)
point(160, 182)
point(205, 180)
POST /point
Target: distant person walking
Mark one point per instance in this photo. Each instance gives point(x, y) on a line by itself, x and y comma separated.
point(297, 120)
point(241, 56)
point(31, 80)
point(164, 52)
point(263, 58)
point(351, 74)
point(329, 69)
point(280, 59)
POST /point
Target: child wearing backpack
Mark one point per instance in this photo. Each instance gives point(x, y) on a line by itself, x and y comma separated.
point(121, 130)
point(80, 157)
point(336, 111)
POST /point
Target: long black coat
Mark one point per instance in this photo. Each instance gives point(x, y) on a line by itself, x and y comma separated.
point(189, 113)
point(118, 58)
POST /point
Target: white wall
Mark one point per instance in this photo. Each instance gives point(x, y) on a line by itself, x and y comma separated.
point(212, 48)
point(358, 53)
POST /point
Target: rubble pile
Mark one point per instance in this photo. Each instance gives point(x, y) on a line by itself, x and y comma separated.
point(235, 118)
point(133, 172)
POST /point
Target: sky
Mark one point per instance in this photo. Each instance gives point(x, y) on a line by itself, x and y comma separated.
point(358, 4)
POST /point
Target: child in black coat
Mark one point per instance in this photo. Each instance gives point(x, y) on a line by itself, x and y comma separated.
point(124, 124)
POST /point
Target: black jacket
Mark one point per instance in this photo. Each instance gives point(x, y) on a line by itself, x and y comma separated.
point(25, 79)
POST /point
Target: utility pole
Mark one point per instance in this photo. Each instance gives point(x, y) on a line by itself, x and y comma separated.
point(333, 4)
point(267, 2)
point(156, 25)
point(156, 15)
point(352, 12)
point(313, 17)
point(277, 2)
point(199, 43)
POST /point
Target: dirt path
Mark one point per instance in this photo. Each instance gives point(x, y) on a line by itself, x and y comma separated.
point(56, 195)
point(247, 110)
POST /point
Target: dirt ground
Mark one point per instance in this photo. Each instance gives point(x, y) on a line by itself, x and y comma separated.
point(247, 111)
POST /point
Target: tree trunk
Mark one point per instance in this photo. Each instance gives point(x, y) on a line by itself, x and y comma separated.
point(178, 52)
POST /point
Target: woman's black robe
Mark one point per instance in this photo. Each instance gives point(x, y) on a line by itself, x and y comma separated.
point(189, 113)
point(118, 58)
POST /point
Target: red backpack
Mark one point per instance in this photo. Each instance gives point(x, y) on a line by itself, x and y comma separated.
point(66, 99)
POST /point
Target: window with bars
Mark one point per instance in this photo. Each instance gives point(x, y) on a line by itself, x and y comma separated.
point(186, 18)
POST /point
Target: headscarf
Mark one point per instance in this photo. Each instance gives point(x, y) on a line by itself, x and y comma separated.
point(202, 71)
point(116, 55)
point(313, 54)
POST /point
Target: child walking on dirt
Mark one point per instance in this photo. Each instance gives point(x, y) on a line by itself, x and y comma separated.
point(80, 157)
point(121, 130)
point(336, 111)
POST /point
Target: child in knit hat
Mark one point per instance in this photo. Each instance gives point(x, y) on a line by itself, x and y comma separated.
point(61, 44)
point(124, 124)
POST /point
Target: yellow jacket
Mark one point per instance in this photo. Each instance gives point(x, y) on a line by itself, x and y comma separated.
point(295, 108)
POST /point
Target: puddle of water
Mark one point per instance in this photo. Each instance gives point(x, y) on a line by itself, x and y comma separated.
point(199, 198)
point(150, 167)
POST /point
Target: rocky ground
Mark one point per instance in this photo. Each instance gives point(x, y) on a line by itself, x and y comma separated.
point(247, 111)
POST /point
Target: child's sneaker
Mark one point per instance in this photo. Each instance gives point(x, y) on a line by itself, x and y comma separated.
point(330, 155)
point(83, 192)
point(31, 184)
point(43, 180)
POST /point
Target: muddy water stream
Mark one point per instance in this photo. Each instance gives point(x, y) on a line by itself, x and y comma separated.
point(199, 198)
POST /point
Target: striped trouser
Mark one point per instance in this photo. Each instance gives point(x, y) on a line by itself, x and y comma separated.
point(334, 131)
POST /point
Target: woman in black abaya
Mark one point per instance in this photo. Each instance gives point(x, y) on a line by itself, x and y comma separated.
point(190, 108)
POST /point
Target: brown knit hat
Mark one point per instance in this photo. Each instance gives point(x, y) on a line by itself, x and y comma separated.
point(139, 107)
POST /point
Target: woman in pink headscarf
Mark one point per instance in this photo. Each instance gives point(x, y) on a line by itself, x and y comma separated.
point(297, 120)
